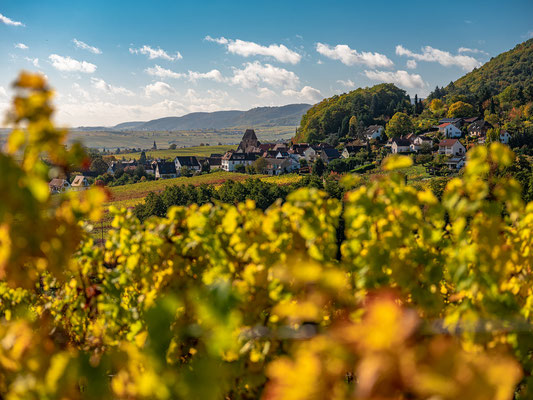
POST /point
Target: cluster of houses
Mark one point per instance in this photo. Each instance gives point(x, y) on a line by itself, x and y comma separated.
point(451, 129)
point(280, 158)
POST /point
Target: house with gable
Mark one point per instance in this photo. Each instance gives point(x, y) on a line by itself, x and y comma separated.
point(373, 132)
point(165, 169)
point(451, 147)
point(400, 145)
point(449, 130)
point(190, 162)
point(58, 185)
point(479, 128)
point(80, 183)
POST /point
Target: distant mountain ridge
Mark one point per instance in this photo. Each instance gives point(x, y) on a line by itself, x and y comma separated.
point(289, 115)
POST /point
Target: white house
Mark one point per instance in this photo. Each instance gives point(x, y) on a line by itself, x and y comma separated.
point(165, 170)
point(451, 147)
point(80, 183)
point(504, 137)
point(420, 141)
point(191, 162)
point(450, 130)
point(373, 132)
point(400, 145)
point(231, 159)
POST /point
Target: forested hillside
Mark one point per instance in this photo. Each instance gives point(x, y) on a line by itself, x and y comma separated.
point(501, 91)
point(512, 68)
point(369, 105)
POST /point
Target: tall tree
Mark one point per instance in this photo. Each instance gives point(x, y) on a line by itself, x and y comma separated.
point(400, 124)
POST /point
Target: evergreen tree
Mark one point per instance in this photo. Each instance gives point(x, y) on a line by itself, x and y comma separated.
point(142, 158)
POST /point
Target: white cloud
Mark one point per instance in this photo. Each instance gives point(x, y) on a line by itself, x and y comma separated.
point(213, 75)
point(67, 64)
point(158, 88)
point(401, 78)
point(102, 85)
point(3, 92)
point(21, 46)
point(163, 72)
point(156, 53)
point(349, 83)
point(307, 93)
point(411, 64)
point(255, 73)
point(474, 51)
point(9, 21)
point(263, 93)
point(348, 56)
point(247, 49)
point(34, 61)
point(192, 76)
point(82, 45)
point(444, 58)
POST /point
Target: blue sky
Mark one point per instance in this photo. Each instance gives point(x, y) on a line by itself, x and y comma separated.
point(115, 61)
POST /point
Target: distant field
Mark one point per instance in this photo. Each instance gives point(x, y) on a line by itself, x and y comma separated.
point(163, 139)
point(199, 151)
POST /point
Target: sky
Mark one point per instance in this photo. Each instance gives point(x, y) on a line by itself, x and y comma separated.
point(111, 62)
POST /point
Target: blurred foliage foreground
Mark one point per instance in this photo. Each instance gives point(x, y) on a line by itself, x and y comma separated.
point(423, 299)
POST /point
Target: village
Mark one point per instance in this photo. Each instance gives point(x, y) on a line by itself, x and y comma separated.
point(442, 151)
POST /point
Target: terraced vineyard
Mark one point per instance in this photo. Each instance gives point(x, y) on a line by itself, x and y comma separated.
point(129, 195)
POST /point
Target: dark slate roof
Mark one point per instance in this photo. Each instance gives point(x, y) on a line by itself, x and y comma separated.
point(187, 161)
point(249, 134)
point(331, 153)
point(166, 167)
point(401, 142)
point(372, 129)
point(480, 124)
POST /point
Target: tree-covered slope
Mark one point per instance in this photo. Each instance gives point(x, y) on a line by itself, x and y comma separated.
point(514, 67)
point(369, 105)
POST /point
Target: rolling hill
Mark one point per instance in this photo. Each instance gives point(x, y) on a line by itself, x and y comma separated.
point(288, 115)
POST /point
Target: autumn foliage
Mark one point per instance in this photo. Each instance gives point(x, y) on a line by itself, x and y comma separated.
point(422, 298)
